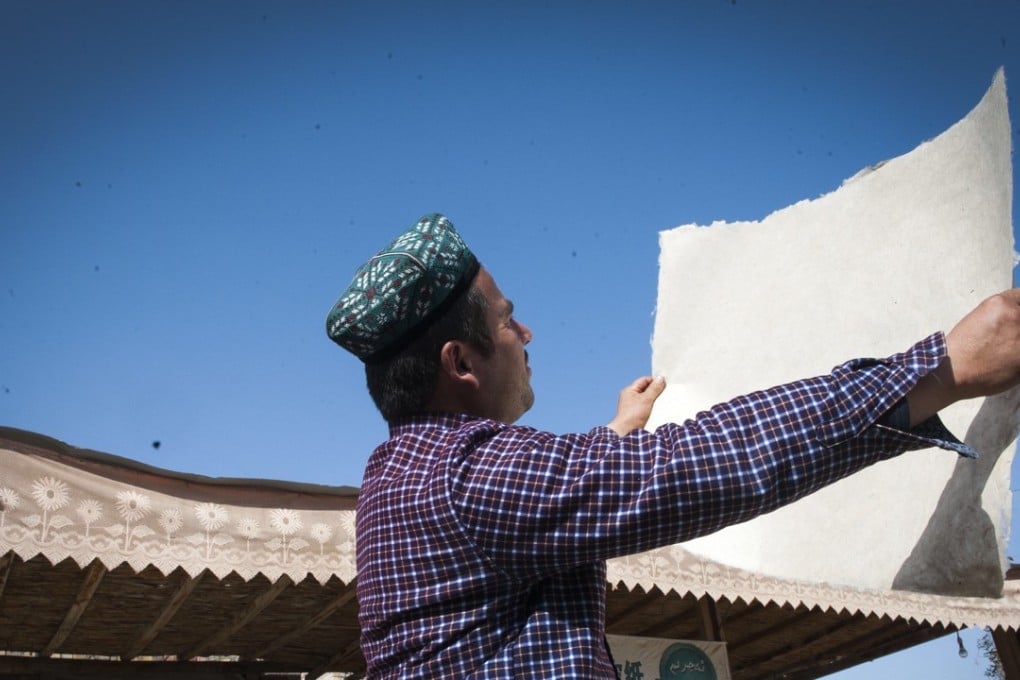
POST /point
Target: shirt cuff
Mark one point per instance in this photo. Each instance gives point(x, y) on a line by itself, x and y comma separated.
point(932, 430)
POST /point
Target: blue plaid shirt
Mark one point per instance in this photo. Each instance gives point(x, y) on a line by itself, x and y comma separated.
point(481, 545)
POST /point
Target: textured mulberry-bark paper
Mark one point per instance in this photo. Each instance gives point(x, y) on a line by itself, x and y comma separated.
point(897, 252)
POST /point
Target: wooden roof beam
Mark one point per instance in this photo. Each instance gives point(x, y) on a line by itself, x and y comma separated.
point(710, 623)
point(178, 598)
point(334, 663)
point(688, 610)
point(1007, 645)
point(885, 642)
point(639, 603)
point(112, 669)
point(866, 640)
point(794, 647)
point(748, 610)
point(880, 641)
point(914, 635)
point(241, 619)
point(93, 577)
point(6, 564)
point(769, 631)
point(346, 596)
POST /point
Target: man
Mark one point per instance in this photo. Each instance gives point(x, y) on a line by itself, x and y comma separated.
point(481, 545)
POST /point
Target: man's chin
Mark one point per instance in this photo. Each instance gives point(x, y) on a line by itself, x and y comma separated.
point(526, 403)
point(529, 401)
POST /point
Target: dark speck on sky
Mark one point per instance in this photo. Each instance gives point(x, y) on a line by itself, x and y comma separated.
point(155, 444)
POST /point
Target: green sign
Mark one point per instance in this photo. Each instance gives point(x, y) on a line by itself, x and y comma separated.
point(682, 661)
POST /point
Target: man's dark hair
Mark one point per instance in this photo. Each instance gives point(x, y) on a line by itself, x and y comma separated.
point(402, 385)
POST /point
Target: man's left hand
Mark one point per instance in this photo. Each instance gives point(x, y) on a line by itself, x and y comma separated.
point(635, 404)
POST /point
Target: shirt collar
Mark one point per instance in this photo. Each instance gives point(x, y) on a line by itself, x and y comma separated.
point(430, 421)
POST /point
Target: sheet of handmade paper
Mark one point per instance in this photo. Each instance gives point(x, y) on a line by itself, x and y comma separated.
point(897, 252)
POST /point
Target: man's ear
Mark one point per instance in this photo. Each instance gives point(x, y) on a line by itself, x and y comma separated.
point(457, 362)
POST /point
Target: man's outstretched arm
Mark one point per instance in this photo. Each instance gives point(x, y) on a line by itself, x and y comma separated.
point(983, 358)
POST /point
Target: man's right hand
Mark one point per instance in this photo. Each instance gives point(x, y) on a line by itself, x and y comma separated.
point(635, 404)
point(983, 358)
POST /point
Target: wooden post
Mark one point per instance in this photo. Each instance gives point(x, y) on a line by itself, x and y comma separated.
point(1007, 644)
point(711, 626)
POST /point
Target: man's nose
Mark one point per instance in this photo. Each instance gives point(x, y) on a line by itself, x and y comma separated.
point(524, 332)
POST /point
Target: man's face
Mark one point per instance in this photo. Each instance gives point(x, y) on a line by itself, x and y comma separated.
point(505, 375)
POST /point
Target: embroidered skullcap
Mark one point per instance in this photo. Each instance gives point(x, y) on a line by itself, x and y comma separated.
point(397, 294)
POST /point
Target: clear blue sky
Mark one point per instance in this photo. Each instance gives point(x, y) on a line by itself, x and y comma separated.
point(187, 186)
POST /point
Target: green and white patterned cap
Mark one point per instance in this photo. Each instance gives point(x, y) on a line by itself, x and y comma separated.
point(397, 294)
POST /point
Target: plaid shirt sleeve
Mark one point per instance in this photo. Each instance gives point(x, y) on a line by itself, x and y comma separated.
point(538, 503)
point(481, 545)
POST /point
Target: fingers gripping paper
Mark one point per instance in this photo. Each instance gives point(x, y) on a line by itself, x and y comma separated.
point(896, 253)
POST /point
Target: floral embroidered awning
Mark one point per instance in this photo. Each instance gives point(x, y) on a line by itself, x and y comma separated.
point(88, 506)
